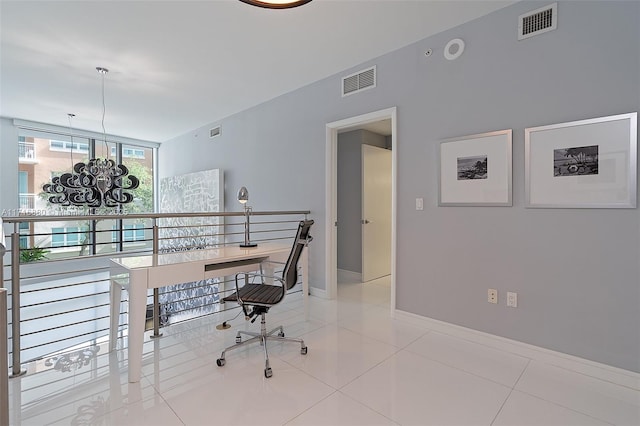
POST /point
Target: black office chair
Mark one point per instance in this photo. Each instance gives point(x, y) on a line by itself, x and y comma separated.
point(256, 299)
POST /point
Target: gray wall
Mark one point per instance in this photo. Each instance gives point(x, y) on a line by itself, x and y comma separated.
point(349, 242)
point(581, 297)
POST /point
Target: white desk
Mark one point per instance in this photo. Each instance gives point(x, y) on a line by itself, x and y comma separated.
point(153, 271)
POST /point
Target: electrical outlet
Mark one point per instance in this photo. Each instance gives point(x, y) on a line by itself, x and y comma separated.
point(512, 299)
point(419, 204)
point(492, 295)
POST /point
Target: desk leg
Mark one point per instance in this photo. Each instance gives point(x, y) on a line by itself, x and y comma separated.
point(115, 294)
point(137, 316)
point(305, 282)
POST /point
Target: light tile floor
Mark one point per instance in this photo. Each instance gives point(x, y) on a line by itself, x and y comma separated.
point(363, 368)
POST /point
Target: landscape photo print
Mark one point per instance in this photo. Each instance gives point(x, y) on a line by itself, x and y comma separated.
point(472, 167)
point(581, 160)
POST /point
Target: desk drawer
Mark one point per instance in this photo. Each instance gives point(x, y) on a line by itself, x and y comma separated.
point(173, 274)
point(233, 267)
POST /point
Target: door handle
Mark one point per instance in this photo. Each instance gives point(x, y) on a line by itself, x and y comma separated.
point(365, 221)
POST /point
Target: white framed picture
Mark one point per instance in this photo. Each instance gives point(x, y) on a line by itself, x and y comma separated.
point(582, 164)
point(476, 170)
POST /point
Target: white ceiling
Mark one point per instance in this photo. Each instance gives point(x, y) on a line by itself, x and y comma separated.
point(177, 65)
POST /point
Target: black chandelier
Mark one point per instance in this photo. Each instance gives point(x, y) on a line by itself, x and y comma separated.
point(96, 183)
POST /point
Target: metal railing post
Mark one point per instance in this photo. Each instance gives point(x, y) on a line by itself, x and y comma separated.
point(156, 291)
point(16, 369)
point(4, 350)
point(4, 357)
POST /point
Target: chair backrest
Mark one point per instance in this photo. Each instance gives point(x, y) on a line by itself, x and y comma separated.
point(290, 272)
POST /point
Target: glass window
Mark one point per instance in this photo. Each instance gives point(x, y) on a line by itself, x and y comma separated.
point(129, 152)
point(55, 145)
point(140, 164)
point(130, 233)
point(55, 157)
point(24, 234)
point(67, 236)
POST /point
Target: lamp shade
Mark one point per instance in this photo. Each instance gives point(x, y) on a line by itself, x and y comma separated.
point(243, 195)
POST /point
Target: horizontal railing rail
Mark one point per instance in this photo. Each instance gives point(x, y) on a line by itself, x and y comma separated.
point(74, 216)
point(61, 301)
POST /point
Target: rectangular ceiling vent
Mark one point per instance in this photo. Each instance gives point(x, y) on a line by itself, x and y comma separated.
point(215, 132)
point(538, 21)
point(359, 81)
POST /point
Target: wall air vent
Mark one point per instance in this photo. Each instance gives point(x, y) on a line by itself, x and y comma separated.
point(359, 81)
point(538, 21)
point(215, 132)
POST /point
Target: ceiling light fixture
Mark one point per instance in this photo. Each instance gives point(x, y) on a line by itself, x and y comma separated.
point(276, 4)
point(96, 183)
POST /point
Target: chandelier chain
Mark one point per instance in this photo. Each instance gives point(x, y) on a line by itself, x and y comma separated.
point(103, 71)
point(70, 115)
point(95, 183)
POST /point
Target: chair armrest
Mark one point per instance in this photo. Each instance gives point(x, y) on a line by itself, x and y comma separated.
point(247, 275)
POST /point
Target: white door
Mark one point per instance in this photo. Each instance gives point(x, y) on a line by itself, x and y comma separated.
point(376, 212)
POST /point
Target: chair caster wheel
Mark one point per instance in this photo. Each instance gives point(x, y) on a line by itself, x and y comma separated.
point(281, 334)
point(268, 373)
point(221, 362)
point(303, 350)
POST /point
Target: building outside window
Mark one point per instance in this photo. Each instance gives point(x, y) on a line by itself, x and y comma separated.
point(67, 236)
point(130, 233)
point(55, 145)
point(129, 152)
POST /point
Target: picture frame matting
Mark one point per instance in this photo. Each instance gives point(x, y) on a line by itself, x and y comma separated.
point(476, 170)
point(582, 164)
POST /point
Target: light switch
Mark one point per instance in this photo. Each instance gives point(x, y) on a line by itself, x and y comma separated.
point(419, 204)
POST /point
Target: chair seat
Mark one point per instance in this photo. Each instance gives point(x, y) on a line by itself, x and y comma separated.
point(258, 294)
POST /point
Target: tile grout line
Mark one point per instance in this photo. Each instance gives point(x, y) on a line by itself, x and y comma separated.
point(566, 408)
point(458, 368)
point(510, 392)
point(557, 360)
point(310, 407)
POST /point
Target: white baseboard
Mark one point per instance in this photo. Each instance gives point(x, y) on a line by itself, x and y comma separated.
point(318, 292)
point(349, 276)
point(598, 370)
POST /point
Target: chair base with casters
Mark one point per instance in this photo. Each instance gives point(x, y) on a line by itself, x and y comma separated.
point(256, 299)
point(262, 337)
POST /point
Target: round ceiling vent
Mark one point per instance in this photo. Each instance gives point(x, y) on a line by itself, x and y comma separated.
point(454, 49)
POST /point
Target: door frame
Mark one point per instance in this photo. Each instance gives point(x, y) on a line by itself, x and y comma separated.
point(331, 194)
